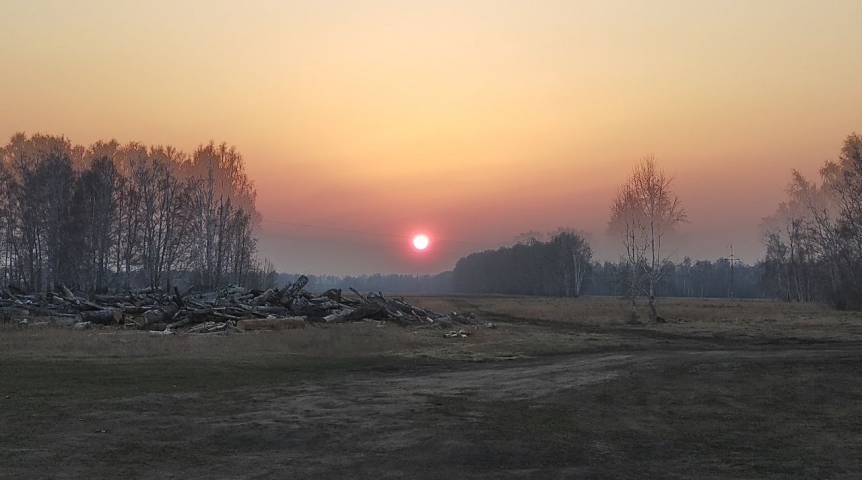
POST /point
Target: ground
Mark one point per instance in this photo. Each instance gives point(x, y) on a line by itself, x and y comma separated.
point(561, 388)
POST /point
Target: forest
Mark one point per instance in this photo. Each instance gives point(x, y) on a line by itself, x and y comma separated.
point(814, 238)
point(111, 217)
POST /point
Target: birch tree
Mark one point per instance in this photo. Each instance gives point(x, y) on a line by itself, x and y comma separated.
point(644, 212)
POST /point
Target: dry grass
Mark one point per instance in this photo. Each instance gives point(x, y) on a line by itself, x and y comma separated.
point(695, 318)
point(527, 326)
point(342, 341)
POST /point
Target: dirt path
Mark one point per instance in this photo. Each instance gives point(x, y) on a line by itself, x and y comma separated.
point(488, 420)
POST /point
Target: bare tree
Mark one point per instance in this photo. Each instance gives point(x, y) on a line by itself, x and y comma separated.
point(89, 233)
point(575, 256)
point(644, 212)
point(112, 216)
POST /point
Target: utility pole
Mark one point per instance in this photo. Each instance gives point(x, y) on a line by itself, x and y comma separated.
point(732, 261)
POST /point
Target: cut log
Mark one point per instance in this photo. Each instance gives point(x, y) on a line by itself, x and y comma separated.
point(68, 293)
point(133, 310)
point(180, 323)
point(159, 315)
point(300, 306)
point(270, 310)
point(234, 290)
point(288, 323)
point(333, 294)
point(111, 298)
point(107, 316)
point(264, 297)
point(353, 314)
point(293, 290)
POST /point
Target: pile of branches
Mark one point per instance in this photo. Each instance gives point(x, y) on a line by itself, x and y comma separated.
point(225, 310)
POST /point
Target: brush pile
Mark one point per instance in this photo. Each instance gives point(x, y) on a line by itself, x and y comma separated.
point(230, 309)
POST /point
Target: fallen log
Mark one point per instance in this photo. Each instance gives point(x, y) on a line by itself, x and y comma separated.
point(179, 323)
point(361, 296)
point(271, 310)
point(107, 316)
point(292, 289)
point(352, 314)
point(264, 297)
point(333, 294)
point(159, 315)
point(68, 294)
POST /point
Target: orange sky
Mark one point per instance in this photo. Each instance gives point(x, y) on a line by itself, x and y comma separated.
point(471, 120)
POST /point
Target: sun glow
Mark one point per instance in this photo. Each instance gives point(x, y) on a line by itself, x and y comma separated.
point(421, 242)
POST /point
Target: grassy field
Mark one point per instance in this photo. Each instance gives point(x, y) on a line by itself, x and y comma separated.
point(561, 388)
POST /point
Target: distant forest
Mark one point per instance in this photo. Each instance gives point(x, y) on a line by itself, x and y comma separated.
point(535, 269)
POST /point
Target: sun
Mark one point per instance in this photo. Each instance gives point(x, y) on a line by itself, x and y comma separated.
point(421, 242)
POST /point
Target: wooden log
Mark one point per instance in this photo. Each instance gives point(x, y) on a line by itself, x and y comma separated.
point(271, 310)
point(333, 294)
point(352, 314)
point(68, 293)
point(361, 296)
point(58, 301)
point(85, 305)
point(225, 315)
point(291, 290)
point(234, 290)
point(302, 307)
point(134, 310)
point(111, 298)
point(107, 316)
point(264, 297)
point(180, 323)
point(159, 315)
point(287, 323)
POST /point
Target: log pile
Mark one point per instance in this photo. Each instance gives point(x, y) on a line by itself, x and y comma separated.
point(232, 309)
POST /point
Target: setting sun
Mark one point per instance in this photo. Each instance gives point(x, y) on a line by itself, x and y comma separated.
point(421, 242)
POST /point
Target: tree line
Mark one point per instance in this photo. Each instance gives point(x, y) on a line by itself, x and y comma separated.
point(539, 267)
point(114, 217)
point(814, 238)
point(687, 278)
point(557, 266)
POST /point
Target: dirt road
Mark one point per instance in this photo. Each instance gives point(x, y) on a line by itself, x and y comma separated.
point(659, 414)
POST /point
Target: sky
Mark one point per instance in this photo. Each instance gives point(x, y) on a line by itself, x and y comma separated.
point(365, 122)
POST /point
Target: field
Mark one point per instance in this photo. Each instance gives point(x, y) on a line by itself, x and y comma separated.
point(561, 388)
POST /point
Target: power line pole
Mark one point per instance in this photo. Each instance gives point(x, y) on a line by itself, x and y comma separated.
point(732, 261)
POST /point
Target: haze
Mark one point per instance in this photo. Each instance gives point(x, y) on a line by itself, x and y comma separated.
point(469, 121)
